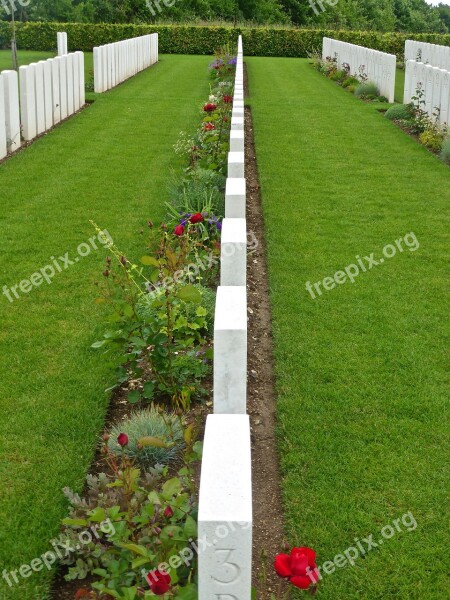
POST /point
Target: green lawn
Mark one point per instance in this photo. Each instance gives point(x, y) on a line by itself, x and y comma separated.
point(111, 164)
point(26, 57)
point(399, 85)
point(361, 371)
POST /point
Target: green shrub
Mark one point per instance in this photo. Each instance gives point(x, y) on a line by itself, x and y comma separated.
point(351, 88)
point(190, 39)
point(432, 139)
point(149, 423)
point(445, 152)
point(398, 112)
point(367, 90)
point(350, 81)
point(339, 75)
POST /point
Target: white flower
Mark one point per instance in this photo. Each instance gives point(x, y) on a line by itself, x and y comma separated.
point(212, 98)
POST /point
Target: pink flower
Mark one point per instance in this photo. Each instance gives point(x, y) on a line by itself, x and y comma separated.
point(122, 439)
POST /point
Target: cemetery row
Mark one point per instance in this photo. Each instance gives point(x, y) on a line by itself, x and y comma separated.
point(49, 92)
point(225, 510)
point(378, 67)
point(433, 83)
point(115, 63)
point(432, 54)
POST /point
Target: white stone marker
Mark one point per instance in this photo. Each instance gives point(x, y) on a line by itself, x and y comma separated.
point(237, 112)
point(63, 86)
point(235, 198)
point(237, 123)
point(56, 92)
point(70, 85)
point(48, 95)
point(12, 112)
point(76, 83)
point(237, 141)
point(225, 510)
point(230, 350)
point(81, 81)
point(28, 101)
point(236, 165)
point(445, 97)
point(233, 252)
point(40, 98)
point(3, 144)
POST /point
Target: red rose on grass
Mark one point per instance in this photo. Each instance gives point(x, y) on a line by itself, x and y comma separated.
point(159, 582)
point(209, 127)
point(209, 108)
point(179, 230)
point(228, 99)
point(122, 440)
point(168, 512)
point(197, 218)
point(298, 567)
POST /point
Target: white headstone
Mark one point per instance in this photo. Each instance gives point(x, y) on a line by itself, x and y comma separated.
point(225, 516)
point(28, 101)
point(56, 89)
point(48, 94)
point(236, 165)
point(237, 141)
point(233, 252)
point(230, 350)
point(3, 144)
point(235, 198)
point(40, 98)
point(12, 113)
point(63, 87)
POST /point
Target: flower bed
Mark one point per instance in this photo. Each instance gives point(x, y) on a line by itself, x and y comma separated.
point(141, 510)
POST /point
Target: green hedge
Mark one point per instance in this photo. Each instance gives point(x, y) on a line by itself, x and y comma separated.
point(187, 39)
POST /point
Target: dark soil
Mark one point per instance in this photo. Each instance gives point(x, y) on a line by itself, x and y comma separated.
point(268, 525)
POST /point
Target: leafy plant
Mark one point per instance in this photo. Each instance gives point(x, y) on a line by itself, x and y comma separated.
point(141, 520)
point(445, 152)
point(432, 139)
point(399, 112)
point(367, 90)
point(165, 429)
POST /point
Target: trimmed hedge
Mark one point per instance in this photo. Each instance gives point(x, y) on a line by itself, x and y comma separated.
point(189, 39)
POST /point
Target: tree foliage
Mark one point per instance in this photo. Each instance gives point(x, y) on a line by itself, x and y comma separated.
point(381, 15)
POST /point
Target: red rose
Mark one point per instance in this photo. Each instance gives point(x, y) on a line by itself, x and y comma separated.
point(228, 99)
point(209, 127)
point(168, 512)
point(197, 218)
point(179, 230)
point(210, 107)
point(299, 567)
point(159, 582)
point(122, 439)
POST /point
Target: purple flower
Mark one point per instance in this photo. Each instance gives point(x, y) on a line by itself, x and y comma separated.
point(233, 61)
point(219, 226)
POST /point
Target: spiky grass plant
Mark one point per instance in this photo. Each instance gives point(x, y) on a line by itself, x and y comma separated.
point(165, 429)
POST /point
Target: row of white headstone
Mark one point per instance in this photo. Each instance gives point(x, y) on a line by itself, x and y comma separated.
point(435, 85)
point(50, 91)
point(379, 67)
point(431, 54)
point(63, 47)
point(225, 511)
point(117, 62)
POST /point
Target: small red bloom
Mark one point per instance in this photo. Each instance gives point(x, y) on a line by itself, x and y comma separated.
point(159, 582)
point(209, 108)
point(299, 567)
point(82, 593)
point(197, 218)
point(209, 127)
point(168, 512)
point(179, 230)
point(122, 439)
point(228, 99)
